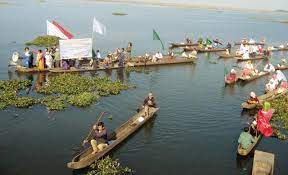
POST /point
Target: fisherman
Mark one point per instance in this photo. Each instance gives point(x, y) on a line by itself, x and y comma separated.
point(269, 67)
point(100, 138)
point(253, 99)
point(149, 102)
point(246, 139)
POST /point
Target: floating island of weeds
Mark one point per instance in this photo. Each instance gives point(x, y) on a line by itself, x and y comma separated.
point(44, 41)
point(119, 14)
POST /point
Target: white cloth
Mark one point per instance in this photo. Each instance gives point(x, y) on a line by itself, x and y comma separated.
point(245, 55)
point(269, 68)
point(98, 27)
point(158, 55)
point(98, 55)
point(280, 76)
point(48, 60)
point(251, 41)
point(272, 84)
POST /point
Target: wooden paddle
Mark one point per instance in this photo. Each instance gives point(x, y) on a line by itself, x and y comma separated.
point(98, 120)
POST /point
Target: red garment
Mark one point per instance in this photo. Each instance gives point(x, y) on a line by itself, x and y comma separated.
point(284, 84)
point(231, 77)
point(263, 124)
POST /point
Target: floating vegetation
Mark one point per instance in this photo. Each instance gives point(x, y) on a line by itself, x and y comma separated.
point(83, 99)
point(280, 117)
point(108, 166)
point(60, 90)
point(137, 70)
point(44, 41)
point(119, 14)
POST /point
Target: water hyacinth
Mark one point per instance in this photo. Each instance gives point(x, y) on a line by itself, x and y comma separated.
point(59, 91)
point(108, 166)
point(280, 117)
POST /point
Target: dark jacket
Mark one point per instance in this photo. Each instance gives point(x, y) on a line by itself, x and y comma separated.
point(150, 102)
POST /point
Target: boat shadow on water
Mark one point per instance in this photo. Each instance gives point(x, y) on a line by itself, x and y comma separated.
point(148, 126)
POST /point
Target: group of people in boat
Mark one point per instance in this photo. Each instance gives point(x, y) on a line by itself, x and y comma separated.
point(259, 125)
point(99, 140)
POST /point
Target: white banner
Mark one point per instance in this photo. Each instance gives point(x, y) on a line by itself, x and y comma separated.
point(75, 48)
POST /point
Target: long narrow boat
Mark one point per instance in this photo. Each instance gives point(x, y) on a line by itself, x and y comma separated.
point(224, 55)
point(176, 45)
point(263, 163)
point(189, 49)
point(250, 78)
point(165, 62)
point(85, 158)
point(21, 69)
point(245, 152)
point(266, 97)
point(281, 68)
point(247, 43)
point(257, 57)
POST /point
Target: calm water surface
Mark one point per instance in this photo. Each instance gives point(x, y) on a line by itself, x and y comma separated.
point(197, 127)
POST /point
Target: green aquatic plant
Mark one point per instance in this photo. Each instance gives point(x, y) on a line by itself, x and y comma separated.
point(44, 41)
point(108, 166)
point(119, 14)
point(14, 85)
point(54, 103)
point(83, 99)
point(280, 117)
point(24, 102)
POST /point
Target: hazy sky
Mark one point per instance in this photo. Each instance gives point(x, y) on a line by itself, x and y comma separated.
point(258, 4)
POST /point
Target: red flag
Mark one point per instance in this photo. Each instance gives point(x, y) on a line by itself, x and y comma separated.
point(263, 124)
point(64, 31)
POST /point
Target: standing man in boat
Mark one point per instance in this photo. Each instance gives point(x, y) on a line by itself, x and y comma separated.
point(129, 50)
point(149, 102)
point(99, 139)
point(246, 139)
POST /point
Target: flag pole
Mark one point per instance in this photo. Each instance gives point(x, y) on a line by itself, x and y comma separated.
point(93, 52)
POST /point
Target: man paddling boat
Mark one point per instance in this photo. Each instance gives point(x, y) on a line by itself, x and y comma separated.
point(100, 138)
point(246, 139)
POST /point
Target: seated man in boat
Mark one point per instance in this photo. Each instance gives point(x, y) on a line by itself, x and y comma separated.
point(253, 99)
point(193, 54)
point(232, 76)
point(246, 139)
point(188, 40)
point(170, 53)
point(157, 57)
point(282, 80)
point(149, 102)
point(100, 138)
point(272, 84)
point(269, 67)
point(282, 64)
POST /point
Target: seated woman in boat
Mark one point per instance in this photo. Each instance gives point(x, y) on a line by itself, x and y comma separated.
point(232, 76)
point(272, 84)
point(253, 99)
point(282, 64)
point(249, 69)
point(64, 65)
point(99, 139)
point(269, 67)
point(246, 139)
point(149, 102)
point(170, 53)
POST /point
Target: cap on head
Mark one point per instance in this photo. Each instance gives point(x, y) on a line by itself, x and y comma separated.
point(252, 94)
point(150, 94)
point(266, 106)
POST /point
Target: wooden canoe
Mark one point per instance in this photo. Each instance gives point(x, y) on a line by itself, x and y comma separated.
point(266, 97)
point(166, 62)
point(247, 43)
point(250, 78)
point(176, 45)
point(263, 163)
point(85, 158)
point(258, 57)
point(281, 68)
point(21, 69)
point(189, 49)
point(283, 49)
point(245, 152)
point(224, 55)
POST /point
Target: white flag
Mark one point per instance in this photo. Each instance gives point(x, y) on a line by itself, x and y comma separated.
point(55, 29)
point(98, 27)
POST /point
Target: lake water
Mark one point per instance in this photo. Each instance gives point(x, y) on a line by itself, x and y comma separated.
point(197, 127)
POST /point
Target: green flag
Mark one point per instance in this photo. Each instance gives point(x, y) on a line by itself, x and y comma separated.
point(208, 41)
point(156, 37)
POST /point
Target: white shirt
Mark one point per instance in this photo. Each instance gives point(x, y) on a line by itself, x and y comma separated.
point(159, 55)
point(98, 55)
point(269, 68)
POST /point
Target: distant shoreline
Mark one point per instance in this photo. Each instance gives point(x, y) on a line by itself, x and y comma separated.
point(182, 5)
